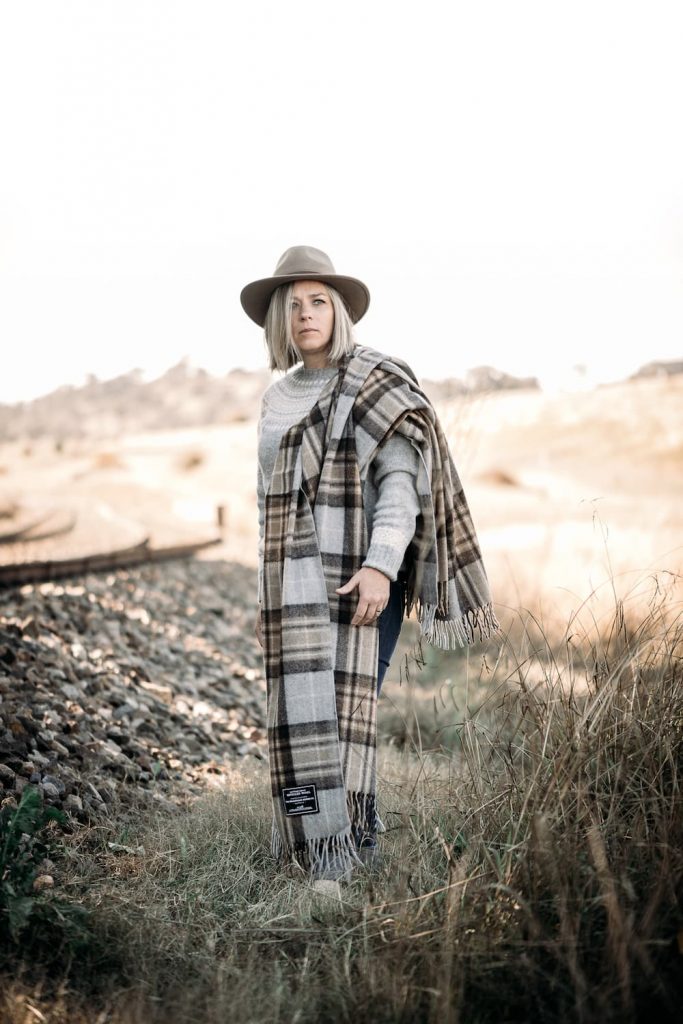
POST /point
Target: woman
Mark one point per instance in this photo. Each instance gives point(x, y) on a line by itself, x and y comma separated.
point(361, 514)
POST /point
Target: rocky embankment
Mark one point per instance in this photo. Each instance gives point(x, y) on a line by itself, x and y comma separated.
point(137, 683)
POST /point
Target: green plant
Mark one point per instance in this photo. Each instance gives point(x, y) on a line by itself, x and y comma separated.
point(21, 851)
point(27, 911)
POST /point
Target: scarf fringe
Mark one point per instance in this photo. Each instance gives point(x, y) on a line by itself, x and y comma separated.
point(444, 633)
point(319, 855)
point(362, 808)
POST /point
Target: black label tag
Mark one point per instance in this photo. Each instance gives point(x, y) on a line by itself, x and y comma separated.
point(300, 800)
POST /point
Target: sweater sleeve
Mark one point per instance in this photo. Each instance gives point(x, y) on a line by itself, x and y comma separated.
point(394, 469)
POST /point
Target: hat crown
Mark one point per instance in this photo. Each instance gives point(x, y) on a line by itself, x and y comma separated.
point(304, 259)
point(303, 262)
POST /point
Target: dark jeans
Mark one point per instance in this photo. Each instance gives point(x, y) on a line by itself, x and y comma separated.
point(389, 624)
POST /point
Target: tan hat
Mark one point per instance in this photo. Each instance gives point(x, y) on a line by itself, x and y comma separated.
point(298, 263)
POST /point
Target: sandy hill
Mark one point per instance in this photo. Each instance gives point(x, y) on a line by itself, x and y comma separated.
point(183, 396)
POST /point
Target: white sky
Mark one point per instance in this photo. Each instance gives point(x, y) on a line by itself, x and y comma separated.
point(506, 177)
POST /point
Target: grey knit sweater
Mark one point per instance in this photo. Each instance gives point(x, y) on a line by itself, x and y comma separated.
point(389, 479)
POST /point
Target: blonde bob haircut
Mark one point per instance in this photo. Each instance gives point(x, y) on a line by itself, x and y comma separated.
point(282, 351)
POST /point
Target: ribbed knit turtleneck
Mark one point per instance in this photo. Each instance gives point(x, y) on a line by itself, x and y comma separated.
point(284, 404)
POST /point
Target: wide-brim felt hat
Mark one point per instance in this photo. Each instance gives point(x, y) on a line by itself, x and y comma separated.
point(300, 263)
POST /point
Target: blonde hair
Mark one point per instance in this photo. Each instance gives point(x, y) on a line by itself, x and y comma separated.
point(282, 352)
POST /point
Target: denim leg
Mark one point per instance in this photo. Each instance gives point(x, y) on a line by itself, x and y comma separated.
point(389, 624)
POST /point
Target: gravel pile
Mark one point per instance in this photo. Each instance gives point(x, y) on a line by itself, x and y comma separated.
point(144, 680)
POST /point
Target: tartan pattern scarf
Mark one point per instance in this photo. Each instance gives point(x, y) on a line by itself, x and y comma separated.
point(321, 672)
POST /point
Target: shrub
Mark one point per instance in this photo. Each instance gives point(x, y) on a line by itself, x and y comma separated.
point(29, 912)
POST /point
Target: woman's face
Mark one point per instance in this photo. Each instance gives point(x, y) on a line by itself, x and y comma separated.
point(312, 318)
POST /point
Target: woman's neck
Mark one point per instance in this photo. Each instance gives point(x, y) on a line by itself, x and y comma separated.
point(316, 361)
point(308, 371)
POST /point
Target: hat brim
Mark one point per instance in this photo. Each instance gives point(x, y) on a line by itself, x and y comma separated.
point(255, 297)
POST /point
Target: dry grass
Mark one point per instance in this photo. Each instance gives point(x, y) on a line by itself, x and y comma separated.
point(187, 461)
point(532, 869)
point(108, 460)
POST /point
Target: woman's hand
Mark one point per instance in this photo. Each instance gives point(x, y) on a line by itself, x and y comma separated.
point(258, 629)
point(373, 594)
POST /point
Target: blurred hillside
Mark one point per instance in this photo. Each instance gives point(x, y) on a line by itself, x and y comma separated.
point(183, 396)
point(187, 396)
point(658, 368)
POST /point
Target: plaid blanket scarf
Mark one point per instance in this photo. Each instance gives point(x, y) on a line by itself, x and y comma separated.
point(321, 672)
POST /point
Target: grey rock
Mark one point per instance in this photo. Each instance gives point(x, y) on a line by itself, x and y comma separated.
point(39, 758)
point(123, 710)
point(54, 781)
point(27, 720)
point(107, 789)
